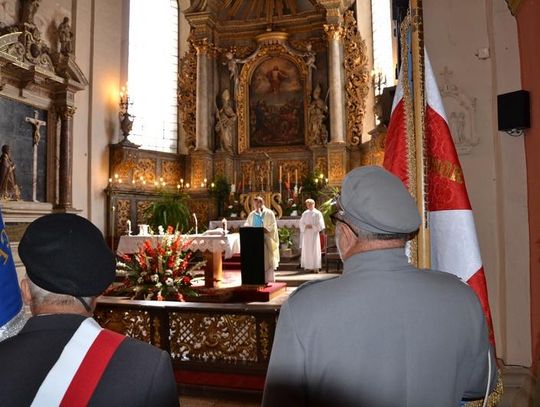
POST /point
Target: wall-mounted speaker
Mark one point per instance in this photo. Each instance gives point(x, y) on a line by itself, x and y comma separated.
point(513, 111)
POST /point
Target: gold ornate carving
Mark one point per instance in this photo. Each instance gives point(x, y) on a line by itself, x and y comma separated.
point(202, 337)
point(133, 323)
point(289, 168)
point(356, 78)
point(334, 32)
point(265, 52)
point(123, 210)
point(271, 199)
point(198, 172)
point(336, 169)
point(170, 172)
point(265, 339)
point(219, 167)
point(201, 208)
point(187, 95)
point(513, 6)
point(321, 165)
point(145, 168)
point(141, 207)
point(66, 112)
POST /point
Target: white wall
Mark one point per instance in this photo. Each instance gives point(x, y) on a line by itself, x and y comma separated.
point(494, 169)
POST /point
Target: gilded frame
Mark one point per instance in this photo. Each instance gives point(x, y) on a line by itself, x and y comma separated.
point(265, 53)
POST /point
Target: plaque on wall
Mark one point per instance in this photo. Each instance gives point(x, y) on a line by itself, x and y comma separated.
point(18, 130)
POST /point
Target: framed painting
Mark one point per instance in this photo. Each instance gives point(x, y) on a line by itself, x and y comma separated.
point(276, 104)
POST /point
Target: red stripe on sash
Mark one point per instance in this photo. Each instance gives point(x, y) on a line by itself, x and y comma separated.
point(91, 369)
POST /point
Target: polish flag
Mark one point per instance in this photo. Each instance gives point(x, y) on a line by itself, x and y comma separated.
point(454, 245)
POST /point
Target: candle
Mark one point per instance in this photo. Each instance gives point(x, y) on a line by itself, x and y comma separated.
point(296, 176)
point(288, 179)
point(280, 171)
point(234, 178)
point(128, 222)
point(196, 226)
point(243, 182)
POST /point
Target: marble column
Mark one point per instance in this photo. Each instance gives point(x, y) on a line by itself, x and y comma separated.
point(202, 122)
point(336, 81)
point(65, 159)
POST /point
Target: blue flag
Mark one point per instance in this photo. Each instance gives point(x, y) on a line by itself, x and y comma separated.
point(10, 293)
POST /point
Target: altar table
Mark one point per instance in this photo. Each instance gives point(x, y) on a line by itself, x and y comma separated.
point(211, 245)
point(235, 224)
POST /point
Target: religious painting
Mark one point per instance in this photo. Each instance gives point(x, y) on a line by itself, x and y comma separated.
point(27, 149)
point(276, 104)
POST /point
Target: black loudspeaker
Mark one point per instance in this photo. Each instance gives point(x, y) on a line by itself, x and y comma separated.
point(386, 100)
point(513, 111)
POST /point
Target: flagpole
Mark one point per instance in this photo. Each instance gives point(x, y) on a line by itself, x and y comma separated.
point(419, 99)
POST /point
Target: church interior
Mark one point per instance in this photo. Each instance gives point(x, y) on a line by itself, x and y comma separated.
point(112, 108)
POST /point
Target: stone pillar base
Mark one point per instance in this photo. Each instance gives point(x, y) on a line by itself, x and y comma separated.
point(338, 163)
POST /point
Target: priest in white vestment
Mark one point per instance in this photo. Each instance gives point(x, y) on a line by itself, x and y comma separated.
point(311, 224)
point(263, 217)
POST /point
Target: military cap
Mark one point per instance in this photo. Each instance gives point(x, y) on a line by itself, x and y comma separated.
point(376, 201)
point(66, 254)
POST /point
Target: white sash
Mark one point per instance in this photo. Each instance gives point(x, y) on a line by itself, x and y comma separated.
point(54, 387)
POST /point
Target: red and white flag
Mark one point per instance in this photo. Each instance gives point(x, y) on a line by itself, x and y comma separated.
point(454, 245)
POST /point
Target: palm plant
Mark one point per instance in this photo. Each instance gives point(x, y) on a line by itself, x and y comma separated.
point(170, 209)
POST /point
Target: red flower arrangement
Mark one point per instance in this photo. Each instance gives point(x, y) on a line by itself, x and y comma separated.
point(158, 273)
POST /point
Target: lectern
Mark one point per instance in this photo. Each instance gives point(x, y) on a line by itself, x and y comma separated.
point(252, 255)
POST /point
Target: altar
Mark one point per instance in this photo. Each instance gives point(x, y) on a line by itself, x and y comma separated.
point(211, 245)
point(235, 224)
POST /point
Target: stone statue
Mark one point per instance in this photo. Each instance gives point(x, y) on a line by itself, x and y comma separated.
point(310, 57)
point(225, 120)
point(317, 111)
point(28, 11)
point(232, 66)
point(65, 37)
point(8, 186)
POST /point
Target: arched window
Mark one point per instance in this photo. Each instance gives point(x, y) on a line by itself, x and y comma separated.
point(152, 73)
point(383, 53)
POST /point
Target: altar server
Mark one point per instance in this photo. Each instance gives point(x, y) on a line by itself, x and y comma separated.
point(263, 217)
point(311, 224)
point(62, 356)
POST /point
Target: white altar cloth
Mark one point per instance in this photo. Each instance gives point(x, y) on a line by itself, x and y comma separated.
point(228, 244)
point(236, 224)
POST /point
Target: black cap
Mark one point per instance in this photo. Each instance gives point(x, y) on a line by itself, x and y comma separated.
point(66, 254)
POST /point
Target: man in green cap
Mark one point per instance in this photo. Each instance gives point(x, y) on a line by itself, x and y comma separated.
point(384, 333)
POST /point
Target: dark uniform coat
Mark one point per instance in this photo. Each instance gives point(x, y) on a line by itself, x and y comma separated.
point(137, 375)
point(382, 334)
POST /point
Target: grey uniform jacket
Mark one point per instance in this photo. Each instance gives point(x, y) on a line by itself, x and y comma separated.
point(382, 334)
point(137, 375)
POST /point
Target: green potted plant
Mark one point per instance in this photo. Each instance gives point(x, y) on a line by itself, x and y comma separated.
point(328, 207)
point(285, 238)
point(170, 209)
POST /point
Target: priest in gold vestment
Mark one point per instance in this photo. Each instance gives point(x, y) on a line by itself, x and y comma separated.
point(263, 217)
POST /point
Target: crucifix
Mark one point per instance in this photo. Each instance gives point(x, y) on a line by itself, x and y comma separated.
point(36, 123)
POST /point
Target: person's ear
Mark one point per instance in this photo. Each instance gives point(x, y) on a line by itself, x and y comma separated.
point(25, 291)
point(348, 239)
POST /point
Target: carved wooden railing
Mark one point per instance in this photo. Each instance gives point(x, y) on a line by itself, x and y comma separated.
point(204, 337)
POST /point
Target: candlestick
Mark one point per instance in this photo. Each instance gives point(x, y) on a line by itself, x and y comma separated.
point(196, 226)
point(224, 225)
point(128, 222)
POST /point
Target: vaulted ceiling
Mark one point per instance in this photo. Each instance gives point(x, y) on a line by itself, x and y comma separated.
point(265, 9)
